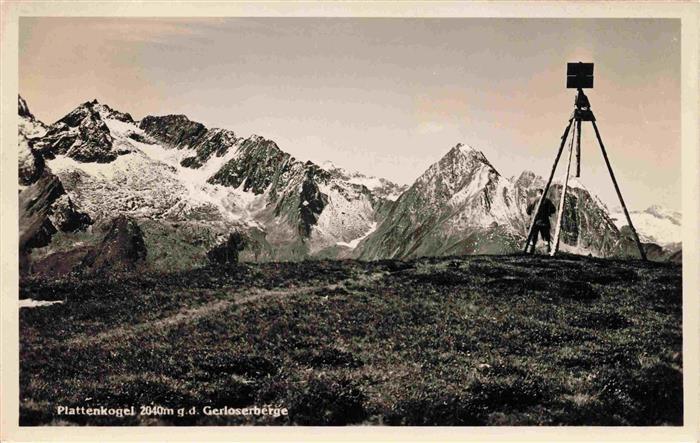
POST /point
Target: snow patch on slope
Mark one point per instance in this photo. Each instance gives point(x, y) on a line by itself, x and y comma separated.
point(235, 203)
point(103, 171)
point(354, 242)
point(368, 182)
point(475, 186)
point(149, 181)
point(31, 303)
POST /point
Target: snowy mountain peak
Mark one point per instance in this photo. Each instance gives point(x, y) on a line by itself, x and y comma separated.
point(458, 166)
point(461, 205)
point(460, 178)
point(95, 111)
point(258, 138)
point(462, 149)
point(106, 112)
point(461, 152)
point(84, 135)
point(661, 212)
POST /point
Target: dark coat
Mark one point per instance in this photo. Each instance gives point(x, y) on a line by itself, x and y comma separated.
point(546, 210)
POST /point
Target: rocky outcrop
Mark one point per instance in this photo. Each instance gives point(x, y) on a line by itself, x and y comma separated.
point(313, 201)
point(23, 109)
point(107, 112)
point(57, 264)
point(226, 253)
point(676, 257)
point(29, 126)
point(66, 217)
point(122, 249)
point(586, 226)
point(44, 208)
point(35, 206)
point(30, 163)
point(176, 131)
point(179, 132)
point(216, 142)
point(303, 202)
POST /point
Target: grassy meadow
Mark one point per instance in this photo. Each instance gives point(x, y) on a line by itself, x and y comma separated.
point(469, 341)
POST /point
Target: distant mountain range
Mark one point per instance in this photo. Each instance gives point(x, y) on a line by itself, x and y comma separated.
point(172, 189)
point(654, 224)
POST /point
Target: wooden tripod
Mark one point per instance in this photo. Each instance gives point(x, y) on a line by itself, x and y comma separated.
point(582, 112)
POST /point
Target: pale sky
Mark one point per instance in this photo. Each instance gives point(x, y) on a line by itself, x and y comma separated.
point(385, 96)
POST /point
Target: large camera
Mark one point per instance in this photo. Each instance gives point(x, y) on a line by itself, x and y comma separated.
point(579, 75)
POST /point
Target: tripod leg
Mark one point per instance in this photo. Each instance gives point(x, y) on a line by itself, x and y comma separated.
point(549, 182)
point(578, 147)
point(560, 215)
point(619, 194)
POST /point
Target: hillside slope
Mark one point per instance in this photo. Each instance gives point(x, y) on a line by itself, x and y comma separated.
point(480, 340)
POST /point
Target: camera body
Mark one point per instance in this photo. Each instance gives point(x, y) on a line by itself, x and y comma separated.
point(579, 75)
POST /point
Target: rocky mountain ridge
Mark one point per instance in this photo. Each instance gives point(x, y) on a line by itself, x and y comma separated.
point(379, 186)
point(188, 187)
point(283, 189)
point(186, 181)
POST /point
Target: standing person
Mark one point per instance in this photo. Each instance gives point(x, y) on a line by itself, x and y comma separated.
point(542, 225)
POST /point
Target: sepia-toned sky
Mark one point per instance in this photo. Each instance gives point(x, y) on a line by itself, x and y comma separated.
point(385, 96)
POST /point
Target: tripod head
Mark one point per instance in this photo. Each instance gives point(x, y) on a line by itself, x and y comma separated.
point(581, 100)
point(582, 111)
